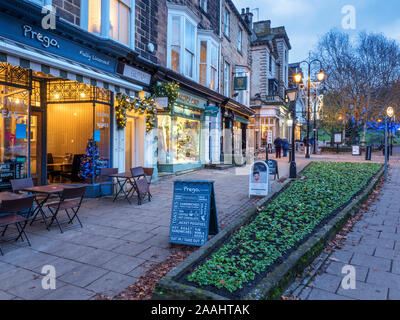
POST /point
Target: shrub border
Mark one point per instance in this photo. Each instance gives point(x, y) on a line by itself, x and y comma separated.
point(273, 286)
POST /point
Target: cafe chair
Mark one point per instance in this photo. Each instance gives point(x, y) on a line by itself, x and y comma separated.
point(140, 184)
point(70, 199)
point(51, 173)
point(104, 178)
point(148, 172)
point(16, 212)
point(73, 175)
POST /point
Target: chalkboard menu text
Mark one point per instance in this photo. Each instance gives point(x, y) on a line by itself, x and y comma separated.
point(194, 213)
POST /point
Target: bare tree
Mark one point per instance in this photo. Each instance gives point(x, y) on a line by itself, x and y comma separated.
point(363, 75)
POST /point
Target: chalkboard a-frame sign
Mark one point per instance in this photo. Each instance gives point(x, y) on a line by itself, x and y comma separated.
point(194, 213)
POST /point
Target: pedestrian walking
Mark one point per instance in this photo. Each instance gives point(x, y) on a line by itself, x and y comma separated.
point(285, 147)
point(278, 147)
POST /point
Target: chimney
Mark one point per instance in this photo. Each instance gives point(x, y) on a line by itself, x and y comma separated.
point(247, 16)
point(262, 28)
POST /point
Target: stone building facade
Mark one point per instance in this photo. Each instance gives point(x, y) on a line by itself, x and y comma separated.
point(270, 80)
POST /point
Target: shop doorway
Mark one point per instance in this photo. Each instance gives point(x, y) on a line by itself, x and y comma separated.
point(36, 146)
point(130, 136)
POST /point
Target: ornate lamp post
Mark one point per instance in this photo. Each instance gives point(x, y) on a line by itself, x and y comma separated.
point(292, 97)
point(389, 115)
point(298, 79)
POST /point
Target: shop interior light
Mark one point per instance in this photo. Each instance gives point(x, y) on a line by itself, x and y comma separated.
point(83, 95)
point(142, 95)
point(17, 101)
point(56, 96)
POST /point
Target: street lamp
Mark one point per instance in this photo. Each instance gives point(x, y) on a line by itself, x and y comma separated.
point(389, 114)
point(292, 96)
point(298, 79)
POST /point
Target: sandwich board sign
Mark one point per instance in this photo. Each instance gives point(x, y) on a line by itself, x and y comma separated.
point(356, 151)
point(259, 182)
point(194, 212)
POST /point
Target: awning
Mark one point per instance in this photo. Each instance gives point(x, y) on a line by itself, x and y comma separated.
point(18, 54)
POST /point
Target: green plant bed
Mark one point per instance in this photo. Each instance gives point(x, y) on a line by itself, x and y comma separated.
point(284, 224)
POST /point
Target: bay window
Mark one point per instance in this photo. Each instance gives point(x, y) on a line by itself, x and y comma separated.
point(208, 60)
point(182, 46)
point(109, 19)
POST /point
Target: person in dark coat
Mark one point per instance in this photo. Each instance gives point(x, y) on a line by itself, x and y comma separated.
point(285, 147)
point(278, 147)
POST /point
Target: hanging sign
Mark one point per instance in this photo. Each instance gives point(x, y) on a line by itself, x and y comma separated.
point(194, 212)
point(356, 151)
point(240, 83)
point(338, 138)
point(259, 179)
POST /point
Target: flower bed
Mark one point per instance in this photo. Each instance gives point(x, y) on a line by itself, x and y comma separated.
point(283, 225)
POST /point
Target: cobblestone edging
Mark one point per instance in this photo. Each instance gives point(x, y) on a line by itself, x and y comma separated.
point(277, 281)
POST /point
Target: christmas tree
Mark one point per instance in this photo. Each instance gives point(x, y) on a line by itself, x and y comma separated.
point(90, 162)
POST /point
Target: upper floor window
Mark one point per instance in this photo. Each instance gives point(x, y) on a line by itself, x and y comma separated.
point(120, 20)
point(94, 16)
point(240, 40)
point(227, 79)
point(227, 17)
point(118, 24)
point(203, 5)
point(182, 34)
point(270, 63)
point(208, 62)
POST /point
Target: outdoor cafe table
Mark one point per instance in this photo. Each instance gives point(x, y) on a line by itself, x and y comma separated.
point(47, 191)
point(9, 196)
point(122, 179)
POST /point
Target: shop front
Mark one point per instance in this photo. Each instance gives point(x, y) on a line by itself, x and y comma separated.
point(234, 136)
point(181, 137)
point(55, 108)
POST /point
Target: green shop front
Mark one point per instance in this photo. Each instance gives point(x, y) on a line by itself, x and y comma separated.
point(180, 134)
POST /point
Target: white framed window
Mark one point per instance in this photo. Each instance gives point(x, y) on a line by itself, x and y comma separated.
point(112, 19)
point(208, 61)
point(227, 22)
point(182, 43)
point(240, 40)
point(227, 79)
point(203, 5)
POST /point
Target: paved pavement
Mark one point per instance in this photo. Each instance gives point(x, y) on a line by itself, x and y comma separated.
point(372, 248)
point(118, 243)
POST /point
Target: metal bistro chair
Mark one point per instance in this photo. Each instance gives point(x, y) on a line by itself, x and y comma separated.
point(70, 199)
point(148, 172)
point(140, 184)
point(105, 180)
point(12, 210)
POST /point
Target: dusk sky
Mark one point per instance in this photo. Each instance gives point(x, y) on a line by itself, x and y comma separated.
point(306, 20)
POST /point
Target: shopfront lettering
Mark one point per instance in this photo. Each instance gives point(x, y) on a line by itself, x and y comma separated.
point(5, 113)
point(188, 99)
point(92, 57)
point(45, 40)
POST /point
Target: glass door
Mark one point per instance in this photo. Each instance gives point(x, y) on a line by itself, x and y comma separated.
point(36, 147)
point(130, 144)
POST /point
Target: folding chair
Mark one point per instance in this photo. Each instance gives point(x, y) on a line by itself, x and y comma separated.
point(140, 184)
point(105, 180)
point(13, 210)
point(148, 172)
point(18, 186)
point(70, 199)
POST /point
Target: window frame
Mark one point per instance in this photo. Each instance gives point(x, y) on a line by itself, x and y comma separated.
point(203, 5)
point(211, 44)
point(227, 23)
point(105, 20)
point(227, 79)
point(184, 17)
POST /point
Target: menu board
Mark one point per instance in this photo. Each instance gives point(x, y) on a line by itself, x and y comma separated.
point(194, 213)
point(11, 170)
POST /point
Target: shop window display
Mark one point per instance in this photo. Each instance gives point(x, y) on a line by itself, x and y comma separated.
point(188, 140)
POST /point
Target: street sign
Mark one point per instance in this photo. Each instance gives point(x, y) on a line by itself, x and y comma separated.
point(269, 137)
point(259, 182)
point(338, 138)
point(194, 212)
point(356, 151)
point(273, 168)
